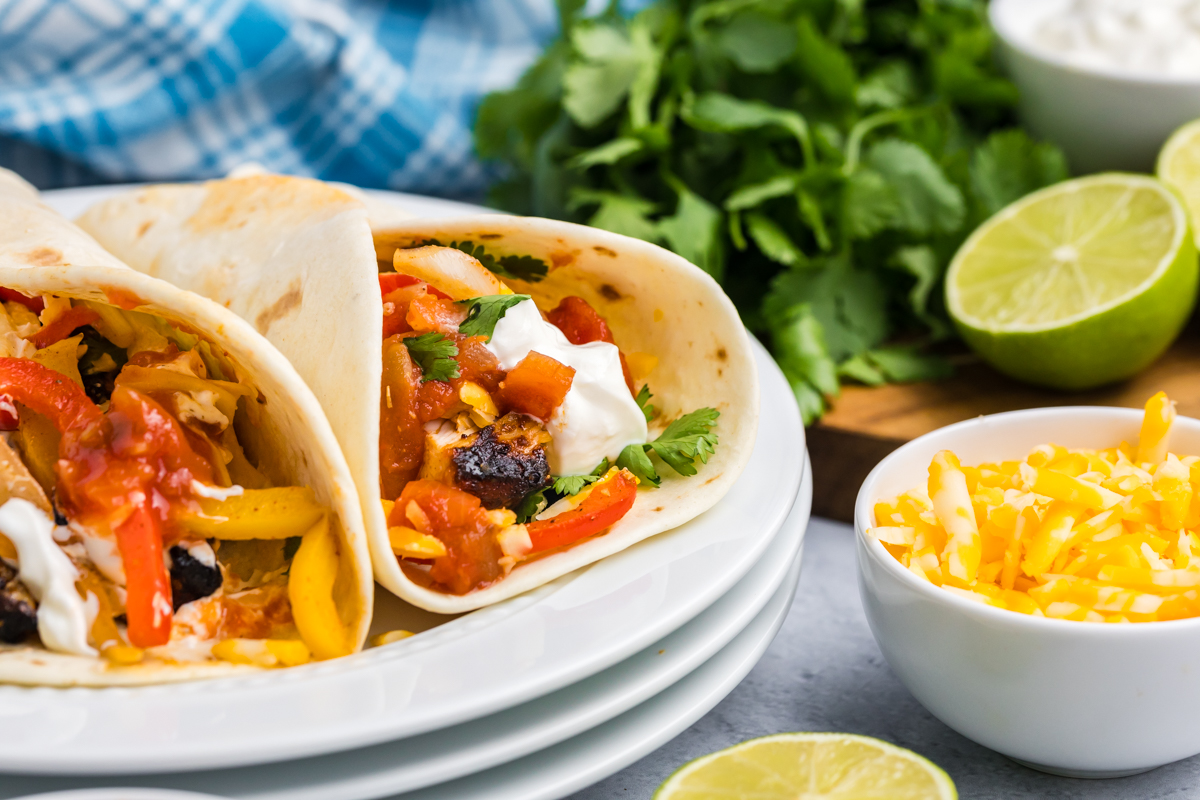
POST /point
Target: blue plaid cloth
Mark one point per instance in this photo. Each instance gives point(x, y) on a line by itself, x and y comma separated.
point(375, 93)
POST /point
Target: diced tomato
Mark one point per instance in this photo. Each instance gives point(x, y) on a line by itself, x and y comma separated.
point(401, 437)
point(460, 522)
point(34, 304)
point(427, 312)
point(395, 309)
point(609, 499)
point(391, 281)
point(133, 465)
point(581, 324)
point(535, 386)
point(439, 399)
point(61, 326)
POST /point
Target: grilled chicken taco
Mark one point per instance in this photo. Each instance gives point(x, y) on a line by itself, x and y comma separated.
point(520, 397)
point(173, 503)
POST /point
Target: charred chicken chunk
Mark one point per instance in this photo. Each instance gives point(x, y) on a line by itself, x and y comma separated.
point(18, 609)
point(505, 462)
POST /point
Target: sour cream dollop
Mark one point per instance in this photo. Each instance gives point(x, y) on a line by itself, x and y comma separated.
point(598, 418)
point(62, 615)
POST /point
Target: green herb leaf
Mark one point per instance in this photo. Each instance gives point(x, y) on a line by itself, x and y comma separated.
point(774, 243)
point(757, 42)
point(928, 201)
point(643, 401)
point(522, 268)
point(694, 232)
point(870, 205)
point(687, 440)
point(608, 153)
point(825, 64)
point(531, 505)
point(634, 459)
point(1010, 165)
point(571, 485)
point(484, 312)
point(434, 353)
point(618, 213)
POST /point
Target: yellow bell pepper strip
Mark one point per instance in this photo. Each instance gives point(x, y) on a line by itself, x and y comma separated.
point(263, 652)
point(278, 513)
point(310, 590)
point(1156, 429)
point(409, 543)
point(952, 505)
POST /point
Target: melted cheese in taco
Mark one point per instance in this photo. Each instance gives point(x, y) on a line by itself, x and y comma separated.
point(507, 432)
point(135, 525)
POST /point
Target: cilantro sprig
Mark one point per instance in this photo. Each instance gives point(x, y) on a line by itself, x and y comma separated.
point(523, 268)
point(484, 312)
point(643, 401)
point(823, 160)
point(684, 442)
point(563, 486)
point(434, 354)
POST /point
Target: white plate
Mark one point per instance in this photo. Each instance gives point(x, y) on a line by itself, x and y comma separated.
point(448, 754)
point(474, 666)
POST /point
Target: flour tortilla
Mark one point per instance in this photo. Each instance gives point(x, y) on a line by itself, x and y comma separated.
point(296, 445)
point(654, 301)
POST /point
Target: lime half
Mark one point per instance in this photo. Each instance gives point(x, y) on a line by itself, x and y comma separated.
point(809, 766)
point(1079, 284)
point(1179, 165)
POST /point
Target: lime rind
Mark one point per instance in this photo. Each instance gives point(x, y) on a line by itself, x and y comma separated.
point(1123, 183)
point(1179, 167)
point(889, 754)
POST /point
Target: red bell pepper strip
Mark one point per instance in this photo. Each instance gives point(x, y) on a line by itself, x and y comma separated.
point(61, 326)
point(148, 608)
point(49, 393)
point(34, 304)
point(610, 499)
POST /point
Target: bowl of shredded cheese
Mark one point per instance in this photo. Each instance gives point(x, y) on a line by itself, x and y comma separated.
point(1107, 80)
point(1033, 578)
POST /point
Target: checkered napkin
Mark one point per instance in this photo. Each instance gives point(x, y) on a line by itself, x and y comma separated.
point(370, 92)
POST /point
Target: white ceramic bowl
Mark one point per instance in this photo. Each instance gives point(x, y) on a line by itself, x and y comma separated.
point(1102, 119)
point(1072, 698)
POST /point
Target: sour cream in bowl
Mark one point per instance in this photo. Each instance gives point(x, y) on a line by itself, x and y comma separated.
point(1078, 698)
point(1107, 80)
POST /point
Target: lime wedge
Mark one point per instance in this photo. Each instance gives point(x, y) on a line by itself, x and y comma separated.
point(1079, 284)
point(808, 766)
point(1179, 166)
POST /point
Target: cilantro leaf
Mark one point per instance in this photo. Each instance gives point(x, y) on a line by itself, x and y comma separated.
point(531, 505)
point(434, 353)
point(485, 312)
point(928, 201)
point(643, 401)
point(570, 485)
point(687, 440)
point(1010, 165)
point(757, 42)
point(634, 459)
point(523, 268)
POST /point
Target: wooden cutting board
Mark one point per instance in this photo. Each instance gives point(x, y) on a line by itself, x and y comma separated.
point(866, 424)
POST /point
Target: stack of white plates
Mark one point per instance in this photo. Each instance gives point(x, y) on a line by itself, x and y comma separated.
point(536, 697)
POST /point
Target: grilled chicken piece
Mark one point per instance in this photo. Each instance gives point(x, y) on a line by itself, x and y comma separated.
point(18, 609)
point(505, 462)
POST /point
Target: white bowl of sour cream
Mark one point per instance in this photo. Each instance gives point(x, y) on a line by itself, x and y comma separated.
point(1083, 699)
point(1106, 80)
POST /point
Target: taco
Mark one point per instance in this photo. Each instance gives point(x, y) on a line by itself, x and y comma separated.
point(173, 503)
point(549, 395)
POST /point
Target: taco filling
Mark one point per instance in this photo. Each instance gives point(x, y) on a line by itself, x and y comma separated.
point(135, 524)
point(507, 432)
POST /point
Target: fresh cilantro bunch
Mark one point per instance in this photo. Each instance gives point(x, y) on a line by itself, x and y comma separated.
point(823, 159)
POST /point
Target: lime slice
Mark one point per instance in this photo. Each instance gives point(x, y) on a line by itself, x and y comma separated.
point(1079, 284)
point(1179, 166)
point(808, 766)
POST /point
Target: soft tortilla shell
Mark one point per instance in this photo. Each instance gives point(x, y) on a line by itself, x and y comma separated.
point(300, 449)
point(655, 301)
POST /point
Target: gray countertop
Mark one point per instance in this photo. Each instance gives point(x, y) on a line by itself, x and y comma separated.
point(825, 673)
